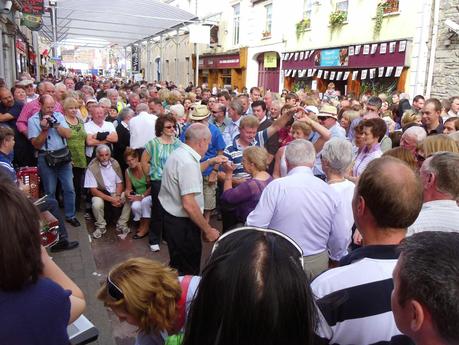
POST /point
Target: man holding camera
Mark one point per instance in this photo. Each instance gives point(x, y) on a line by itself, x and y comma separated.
point(48, 132)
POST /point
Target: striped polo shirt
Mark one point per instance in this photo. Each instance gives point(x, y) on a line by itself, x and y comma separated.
point(355, 298)
point(234, 152)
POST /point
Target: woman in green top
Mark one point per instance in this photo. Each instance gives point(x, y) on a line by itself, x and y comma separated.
point(154, 158)
point(76, 144)
point(137, 192)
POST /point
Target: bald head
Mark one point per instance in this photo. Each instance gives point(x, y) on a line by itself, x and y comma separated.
point(392, 193)
point(196, 132)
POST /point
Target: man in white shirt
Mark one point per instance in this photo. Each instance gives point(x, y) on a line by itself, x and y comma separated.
point(440, 212)
point(98, 131)
point(105, 182)
point(142, 127)
point(306, 209)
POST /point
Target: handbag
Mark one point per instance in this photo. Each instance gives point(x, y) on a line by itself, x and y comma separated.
point(59, 157)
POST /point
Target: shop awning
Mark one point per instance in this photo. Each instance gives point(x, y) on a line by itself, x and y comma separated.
point(107, 22)
point(362, 61)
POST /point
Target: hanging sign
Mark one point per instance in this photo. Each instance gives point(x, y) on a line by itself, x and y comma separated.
point(270, 60)
point(34, 23)
point(33, 7)
point(135, 60)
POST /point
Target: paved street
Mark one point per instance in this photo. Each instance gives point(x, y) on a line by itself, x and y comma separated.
point(88, 266)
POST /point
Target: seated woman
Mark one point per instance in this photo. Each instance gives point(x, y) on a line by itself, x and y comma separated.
point(36, 297)
point(253, 291)
point(242, 199)
point(137, 192)
point(149, 295)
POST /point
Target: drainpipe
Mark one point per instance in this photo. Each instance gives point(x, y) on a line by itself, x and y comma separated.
point(433, 48)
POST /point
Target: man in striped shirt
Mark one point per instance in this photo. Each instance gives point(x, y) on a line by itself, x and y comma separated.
point(355, 297)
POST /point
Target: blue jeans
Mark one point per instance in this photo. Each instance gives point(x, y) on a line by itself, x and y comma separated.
point(49, 177)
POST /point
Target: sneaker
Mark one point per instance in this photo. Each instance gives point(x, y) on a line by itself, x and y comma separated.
point(123, 229)
point(154, 247)
point(99, 232)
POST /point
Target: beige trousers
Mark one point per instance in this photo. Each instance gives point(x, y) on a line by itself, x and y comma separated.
point(98, 209)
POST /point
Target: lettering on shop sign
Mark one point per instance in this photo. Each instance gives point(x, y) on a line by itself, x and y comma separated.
point(35, 7)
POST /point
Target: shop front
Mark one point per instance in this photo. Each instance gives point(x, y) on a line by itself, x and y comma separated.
point(356, 69)
point(223, 70)
point(269, 71)
point(22, 58)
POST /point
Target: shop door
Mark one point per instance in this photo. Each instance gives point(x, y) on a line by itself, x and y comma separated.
point(268, 78)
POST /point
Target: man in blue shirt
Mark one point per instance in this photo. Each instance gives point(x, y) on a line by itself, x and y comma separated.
point(50, 204)
point(48, 130)
point(216, 146)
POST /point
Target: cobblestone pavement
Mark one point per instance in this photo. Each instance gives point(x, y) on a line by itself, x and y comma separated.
point(89, 264)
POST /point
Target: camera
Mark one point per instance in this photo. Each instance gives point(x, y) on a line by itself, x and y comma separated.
point(52, 121)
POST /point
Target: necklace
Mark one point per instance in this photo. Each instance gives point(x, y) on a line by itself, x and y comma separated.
point(70, 121)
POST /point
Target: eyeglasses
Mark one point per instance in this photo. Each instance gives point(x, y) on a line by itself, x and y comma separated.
point(114, 291)
point(168, 127)
point(322, 118)
point(268, 231)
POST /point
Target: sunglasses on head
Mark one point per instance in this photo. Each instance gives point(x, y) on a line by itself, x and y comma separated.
point(114, 291)
point(266, 231)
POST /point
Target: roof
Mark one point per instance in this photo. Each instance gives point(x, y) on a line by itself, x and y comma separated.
point(107, 22)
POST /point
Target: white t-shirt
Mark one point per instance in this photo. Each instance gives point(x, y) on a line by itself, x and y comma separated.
point(91, 128)
point(345, 190)
point(142, 129)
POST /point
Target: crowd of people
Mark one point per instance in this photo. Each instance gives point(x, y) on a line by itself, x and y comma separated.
point(345, 200)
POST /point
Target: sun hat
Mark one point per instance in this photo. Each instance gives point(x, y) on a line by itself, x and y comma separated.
point(200, 112)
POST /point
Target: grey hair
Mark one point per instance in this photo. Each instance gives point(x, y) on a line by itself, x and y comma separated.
point(417, 132)
point(87, 89)
point(42, 85)
point(105, 101)
point(277, 104)
point(111, 91)
point(236, 105)
point(338, 153)
point(300, 152)
point(102, 147)
point(125, 112)
point(445, 166)
point(60, 86)
point(142, 107)
point(197, 132)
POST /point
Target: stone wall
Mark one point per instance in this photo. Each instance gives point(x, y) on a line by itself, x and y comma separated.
point(446, 69)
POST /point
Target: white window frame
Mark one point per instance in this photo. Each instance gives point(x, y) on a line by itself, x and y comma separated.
point(236, 23)
point(269, 17)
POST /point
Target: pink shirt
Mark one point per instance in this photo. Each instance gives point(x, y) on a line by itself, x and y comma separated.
point(29, 110)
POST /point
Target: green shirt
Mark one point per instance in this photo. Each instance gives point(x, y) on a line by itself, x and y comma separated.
point(76, 144)
point(159, 154)
point(139, 185)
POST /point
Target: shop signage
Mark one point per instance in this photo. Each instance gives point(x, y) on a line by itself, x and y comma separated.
point(34, 7)
point(332, 57)
point(270, 60)
point(135, 61)
point(21, 46)
point(32, 22)
point(223, 61)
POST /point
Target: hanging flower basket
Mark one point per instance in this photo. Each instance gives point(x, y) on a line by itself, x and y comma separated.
point(337, 19)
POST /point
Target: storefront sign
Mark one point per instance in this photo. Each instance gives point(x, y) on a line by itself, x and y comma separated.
point(223, 61)
point(32, 22)
point(34, 7)
point(135, 61)
point(21, 46)
point(333, 57)
point(270, 60)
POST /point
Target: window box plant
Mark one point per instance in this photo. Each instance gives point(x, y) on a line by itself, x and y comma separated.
point(302, 26)
point(337, 19)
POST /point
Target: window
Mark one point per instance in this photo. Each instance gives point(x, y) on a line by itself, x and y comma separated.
point(236, 22)
point(342, 5)
point(307, 12)
point(269, 18)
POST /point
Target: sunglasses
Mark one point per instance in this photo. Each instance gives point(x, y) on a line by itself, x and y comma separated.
point(322, 118)
point(168, 127)
point(266, 231)
point(114, 291)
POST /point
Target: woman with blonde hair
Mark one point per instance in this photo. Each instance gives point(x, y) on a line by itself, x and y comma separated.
point(404, 155)
point(150, 296)
point(76, 144)
point(242, 199)
point(410, 117)
point(347, 118)
point(436, 143)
